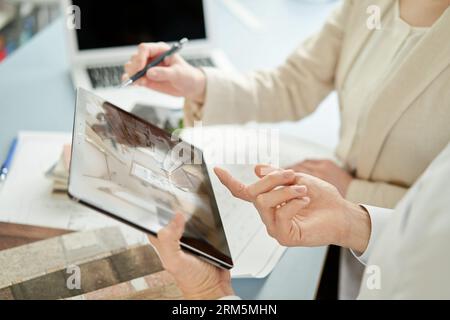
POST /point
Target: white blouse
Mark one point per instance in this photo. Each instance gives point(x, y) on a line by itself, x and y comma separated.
point(385, 51)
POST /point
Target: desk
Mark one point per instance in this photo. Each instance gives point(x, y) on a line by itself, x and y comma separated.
point(36, 94)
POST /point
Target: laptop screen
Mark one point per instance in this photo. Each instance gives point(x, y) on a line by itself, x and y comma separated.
point(106, 24)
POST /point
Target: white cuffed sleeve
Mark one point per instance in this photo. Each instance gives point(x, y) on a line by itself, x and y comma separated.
point(378, 219)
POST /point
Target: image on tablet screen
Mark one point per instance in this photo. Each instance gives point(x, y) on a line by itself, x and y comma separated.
point(142, 174)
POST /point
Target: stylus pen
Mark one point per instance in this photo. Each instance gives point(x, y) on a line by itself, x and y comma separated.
point(174, 49)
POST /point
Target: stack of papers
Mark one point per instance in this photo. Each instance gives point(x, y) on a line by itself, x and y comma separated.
point(59, 172)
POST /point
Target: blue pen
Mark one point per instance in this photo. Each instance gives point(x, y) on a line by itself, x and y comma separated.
point(7, 164)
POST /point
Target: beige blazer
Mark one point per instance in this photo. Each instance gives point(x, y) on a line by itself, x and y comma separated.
point(408, 122)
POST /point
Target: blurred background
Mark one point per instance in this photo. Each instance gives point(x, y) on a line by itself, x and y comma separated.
point(22, 19)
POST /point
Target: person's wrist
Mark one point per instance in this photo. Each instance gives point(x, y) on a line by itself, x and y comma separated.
point(199, 86)
point(346, 181)
point(219, 291)
point(356, 229)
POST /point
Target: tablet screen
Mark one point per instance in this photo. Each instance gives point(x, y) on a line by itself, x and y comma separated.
point(132, 170)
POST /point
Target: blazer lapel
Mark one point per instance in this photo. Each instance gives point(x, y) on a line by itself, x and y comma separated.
point(424, 64)
point(356, 39)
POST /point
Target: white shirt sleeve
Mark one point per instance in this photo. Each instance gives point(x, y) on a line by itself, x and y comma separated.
point(378, 219)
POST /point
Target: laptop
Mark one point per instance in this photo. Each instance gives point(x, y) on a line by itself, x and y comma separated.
point(109, 34)
point(138, 174)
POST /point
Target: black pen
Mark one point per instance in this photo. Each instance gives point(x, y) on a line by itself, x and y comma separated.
point(174, 49)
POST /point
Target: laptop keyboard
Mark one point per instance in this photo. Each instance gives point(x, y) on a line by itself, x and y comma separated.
point(105, 76)
point(200, 62)
point(111, 76)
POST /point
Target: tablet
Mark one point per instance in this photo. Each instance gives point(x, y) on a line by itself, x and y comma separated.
point(141, 175)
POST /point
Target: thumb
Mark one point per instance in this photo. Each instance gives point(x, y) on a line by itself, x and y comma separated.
point(175, 228)
point(161, 74)
point(168, 240)
point(167, 244)
point(262, 170)
point(285, 214)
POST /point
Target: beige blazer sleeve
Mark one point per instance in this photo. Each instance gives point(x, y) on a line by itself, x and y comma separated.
point(376, 193)
point(290, 92)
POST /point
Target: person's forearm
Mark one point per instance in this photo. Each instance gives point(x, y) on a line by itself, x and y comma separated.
point(357, 228)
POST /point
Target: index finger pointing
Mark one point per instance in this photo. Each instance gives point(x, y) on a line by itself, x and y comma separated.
point(237, 188)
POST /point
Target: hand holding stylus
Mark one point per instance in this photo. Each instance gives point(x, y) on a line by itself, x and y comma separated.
point(172, 75)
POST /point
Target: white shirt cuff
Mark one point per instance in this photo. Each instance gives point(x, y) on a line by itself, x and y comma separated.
point(378, 219)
